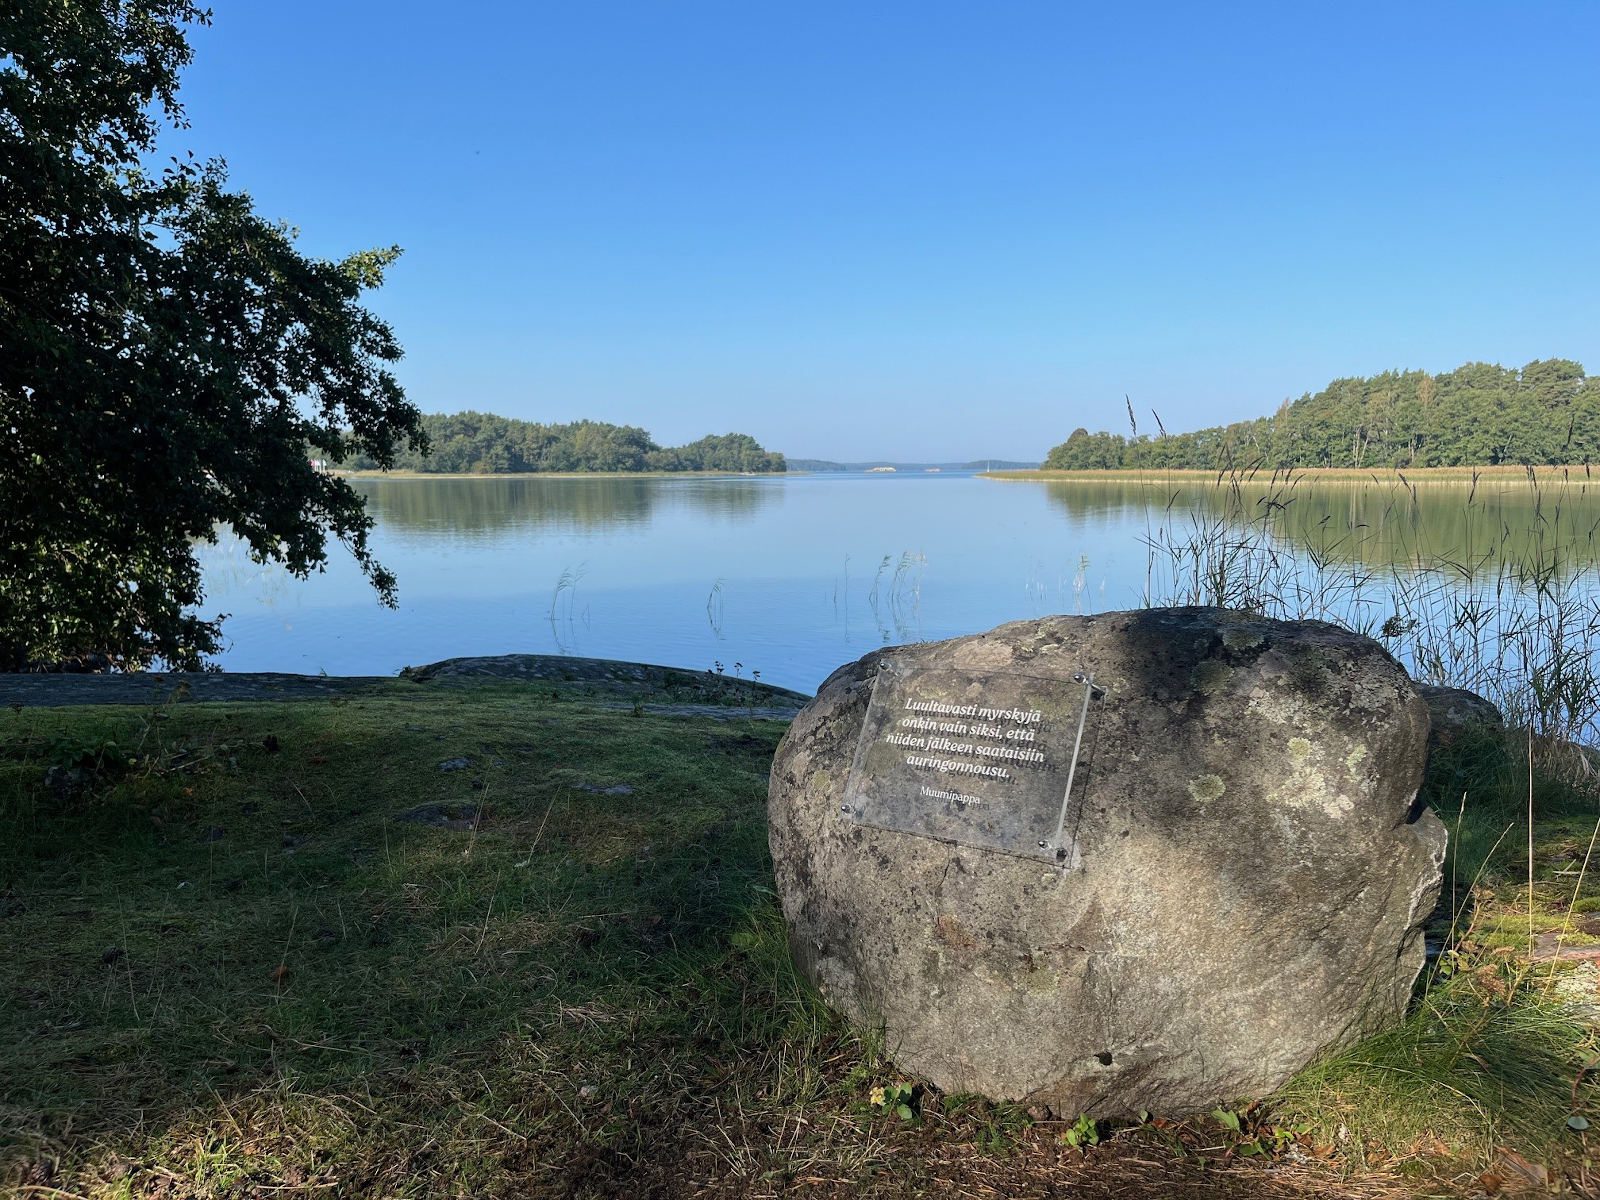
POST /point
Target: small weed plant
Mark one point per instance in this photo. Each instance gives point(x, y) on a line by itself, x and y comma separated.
point(894, 1099)
point(1082, 1133)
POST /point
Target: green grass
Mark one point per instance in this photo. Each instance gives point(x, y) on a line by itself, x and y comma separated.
point(1497, 1049)
point(230, 968)
point(247, 967)
point(1485, 1061)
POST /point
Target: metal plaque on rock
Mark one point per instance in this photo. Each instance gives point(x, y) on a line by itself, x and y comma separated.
point(987, 760)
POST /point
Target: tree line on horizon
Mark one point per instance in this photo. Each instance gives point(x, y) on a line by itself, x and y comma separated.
point(474, 443)
point(1480, 414)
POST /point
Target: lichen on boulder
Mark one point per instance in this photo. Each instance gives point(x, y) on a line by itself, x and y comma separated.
point(1245, 886)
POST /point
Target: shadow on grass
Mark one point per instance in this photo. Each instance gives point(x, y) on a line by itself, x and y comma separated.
point(227, 960)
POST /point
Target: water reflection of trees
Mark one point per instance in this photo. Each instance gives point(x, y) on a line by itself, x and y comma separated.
point(1375, 523)
point(1494, 587)
point(501, 505)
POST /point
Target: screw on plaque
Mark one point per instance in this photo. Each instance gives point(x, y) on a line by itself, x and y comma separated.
point(1090, 691)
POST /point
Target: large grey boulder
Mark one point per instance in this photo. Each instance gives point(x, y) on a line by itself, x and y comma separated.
point(1237, 881)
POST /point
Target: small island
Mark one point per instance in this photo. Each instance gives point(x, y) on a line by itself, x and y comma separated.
point(476, 443)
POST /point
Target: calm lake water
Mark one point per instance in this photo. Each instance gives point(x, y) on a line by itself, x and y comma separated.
point(793, 576)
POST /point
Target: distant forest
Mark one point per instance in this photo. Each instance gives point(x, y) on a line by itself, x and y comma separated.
point(474, 443)
point(1548, 413)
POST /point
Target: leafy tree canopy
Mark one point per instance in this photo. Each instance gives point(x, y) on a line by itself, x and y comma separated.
point(169, 361)
point(1548, 413)
point(485, 444)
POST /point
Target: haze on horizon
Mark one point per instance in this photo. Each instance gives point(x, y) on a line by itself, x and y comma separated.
point(926, 232)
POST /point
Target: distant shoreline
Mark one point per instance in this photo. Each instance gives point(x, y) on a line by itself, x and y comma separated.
point(560, 474)
point(1263, 478)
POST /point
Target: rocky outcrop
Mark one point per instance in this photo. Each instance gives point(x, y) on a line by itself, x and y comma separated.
point(661, 691)
point(1454, 711)
point(1235, 880)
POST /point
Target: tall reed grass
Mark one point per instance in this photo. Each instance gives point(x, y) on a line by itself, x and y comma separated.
point(1510, 613)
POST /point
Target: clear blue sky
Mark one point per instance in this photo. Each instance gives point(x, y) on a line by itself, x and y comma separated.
point(926, 230)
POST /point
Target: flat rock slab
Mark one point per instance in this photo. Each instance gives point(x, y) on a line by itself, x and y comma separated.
point(1165, 888)
point(662, 691)
point(601, 674)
